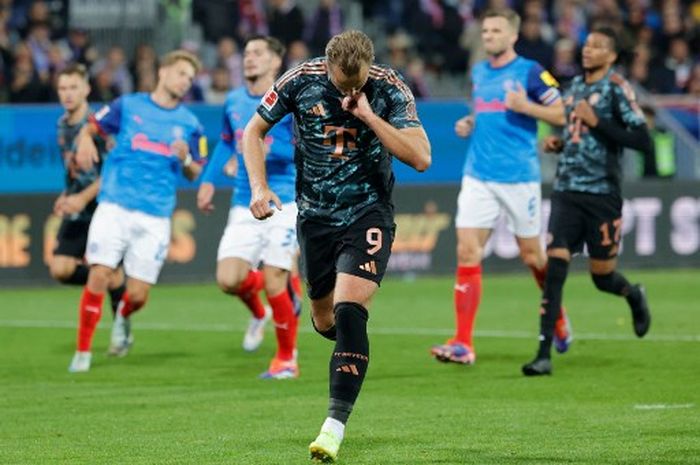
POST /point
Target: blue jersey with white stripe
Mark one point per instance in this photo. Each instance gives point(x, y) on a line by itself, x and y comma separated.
point(141, 171)
point(503, 144)
point(239, 108)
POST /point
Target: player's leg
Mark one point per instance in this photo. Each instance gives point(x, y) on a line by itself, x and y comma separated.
point(239, 253)
point(279, 255)
point(67, 264)
point(361, 264)
point(107, 243)
point(603, 241)
point(147, 241)
point(116, 288)
point(566, 231)
point(477, 213)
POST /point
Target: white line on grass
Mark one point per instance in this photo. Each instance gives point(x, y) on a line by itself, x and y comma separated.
point(662, 406)
point(224, 328)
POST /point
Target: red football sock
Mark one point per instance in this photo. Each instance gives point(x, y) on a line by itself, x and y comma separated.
point(296, 284)
point(539, 275)
point(467, 298)
point(127, 307)
point(90, 311)
point(283, 316)
point(249, 292)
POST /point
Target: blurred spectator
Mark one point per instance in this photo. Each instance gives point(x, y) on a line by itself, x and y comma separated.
point(228, 56)
point(297, 52)
point(565, 65)
point(39, 40)
point(531, 44)
point(571, 22)
point(25, 85)
point(326, 22)
point(219, 87)
point(437, 26)
point(219, 18)
point(251, 19)
point(144, 63)
point(694, 81)
point(286, 21)
point(399, 45)
point(116, 63)
point(678, 60)
point(81, 50)
point(102, 87)
point(415, 78)
point(660, 81)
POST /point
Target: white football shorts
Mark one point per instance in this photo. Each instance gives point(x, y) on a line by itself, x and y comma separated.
point(480, 203)
point(272, 241)
point(138, 238)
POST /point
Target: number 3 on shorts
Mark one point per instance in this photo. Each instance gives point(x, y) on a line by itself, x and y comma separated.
point(374, 238)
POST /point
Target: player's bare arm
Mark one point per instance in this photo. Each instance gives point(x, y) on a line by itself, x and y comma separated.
point(410, 145)
point(254, 158)
point(205, 195)
point(553, 144)
point(516, 100)
point(182, 150)
point(86, 154)
point(464, 126)
point(75, 203)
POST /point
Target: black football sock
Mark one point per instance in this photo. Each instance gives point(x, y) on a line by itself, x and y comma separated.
point(115, 296)
point(557, 270)
point(350, 359)
point(613, 283)
point(329, 333)
point(79, 276)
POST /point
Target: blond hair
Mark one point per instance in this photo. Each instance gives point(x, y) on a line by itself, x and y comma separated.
point(349, 51)
point(181, 55)
point(506, 13)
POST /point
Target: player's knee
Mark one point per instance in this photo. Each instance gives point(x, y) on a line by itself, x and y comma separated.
point(137, 297)
point(530, 258)
point(228, 285)
point(59, 271)
point(469, 254)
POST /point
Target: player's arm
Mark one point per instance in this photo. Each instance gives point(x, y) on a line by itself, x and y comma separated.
point(75, 203)
point(254, 158)
point(408, 144)
point(103, 123)
point(540, 99)
point(205, 193)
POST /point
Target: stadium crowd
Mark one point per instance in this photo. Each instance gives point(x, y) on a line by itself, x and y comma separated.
point(421, 38)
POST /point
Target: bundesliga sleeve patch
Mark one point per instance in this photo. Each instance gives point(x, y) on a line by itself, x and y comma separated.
point(203, 147)
point(102, 113)
point(269, 99)
point(548, 79)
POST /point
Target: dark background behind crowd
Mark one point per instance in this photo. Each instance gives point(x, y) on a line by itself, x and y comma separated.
point(430, 41)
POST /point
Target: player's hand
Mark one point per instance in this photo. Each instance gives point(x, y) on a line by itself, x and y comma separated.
point(585, 112)
point(464, 126)
point(552, 144)
point(205, 194)
point(516, 99)
point(180, 149)
point(58, 205)
point(86, 153)
point(260, 203)
point(231, 167)
point(74, 203)
point(358, 105)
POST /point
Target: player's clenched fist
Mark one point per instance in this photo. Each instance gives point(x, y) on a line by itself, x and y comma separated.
point(552, 144)
point(464, 126)
point(260, 203)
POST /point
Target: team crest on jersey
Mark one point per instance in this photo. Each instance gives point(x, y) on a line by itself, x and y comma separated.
point(548, 79)
point(178, 132)
point(594, 98)
point(269, 99)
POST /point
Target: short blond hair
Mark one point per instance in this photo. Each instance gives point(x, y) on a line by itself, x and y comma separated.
point(349, 51)
point(506, 13)
point(173, 57)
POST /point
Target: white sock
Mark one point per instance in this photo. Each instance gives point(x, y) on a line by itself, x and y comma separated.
point(334, 426)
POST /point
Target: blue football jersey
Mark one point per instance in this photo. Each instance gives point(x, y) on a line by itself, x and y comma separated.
point(503, 144)
point(239, 108)
point(141, 172)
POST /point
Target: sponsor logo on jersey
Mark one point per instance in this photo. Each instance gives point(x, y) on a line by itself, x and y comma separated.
point(269, 99)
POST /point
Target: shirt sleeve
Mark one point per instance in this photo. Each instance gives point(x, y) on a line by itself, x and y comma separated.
point(627, 109)
point(402, 110)
point(542, 87)
point(222, 152)
point(108, 118)
point(278, 101)
point(199, 148)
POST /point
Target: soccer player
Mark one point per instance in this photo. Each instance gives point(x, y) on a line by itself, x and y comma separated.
point(501, 172)
point(247, 241)
point(156, 139)
point(351, 116)
point(603, 117)
point(77, 203)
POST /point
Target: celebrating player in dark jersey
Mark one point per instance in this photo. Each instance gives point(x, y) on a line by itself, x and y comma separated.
point(603, 117)
point(77, 202)
point(350, 116)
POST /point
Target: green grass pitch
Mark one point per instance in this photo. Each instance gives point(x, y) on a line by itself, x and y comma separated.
point(188, 394)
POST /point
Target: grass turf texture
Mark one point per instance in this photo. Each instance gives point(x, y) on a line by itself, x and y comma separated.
point(188, 394)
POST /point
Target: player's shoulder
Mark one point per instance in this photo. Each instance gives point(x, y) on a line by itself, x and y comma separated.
point(312, 69)
point(618, 81)
point(386, 76)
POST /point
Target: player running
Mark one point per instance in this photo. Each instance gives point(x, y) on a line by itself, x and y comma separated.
point(351, 116)
point(603, 118)
point(156, 139)
point(247, 241)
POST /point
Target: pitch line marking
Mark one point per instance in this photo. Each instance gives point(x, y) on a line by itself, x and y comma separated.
point(662, 406)
point(222, 327)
